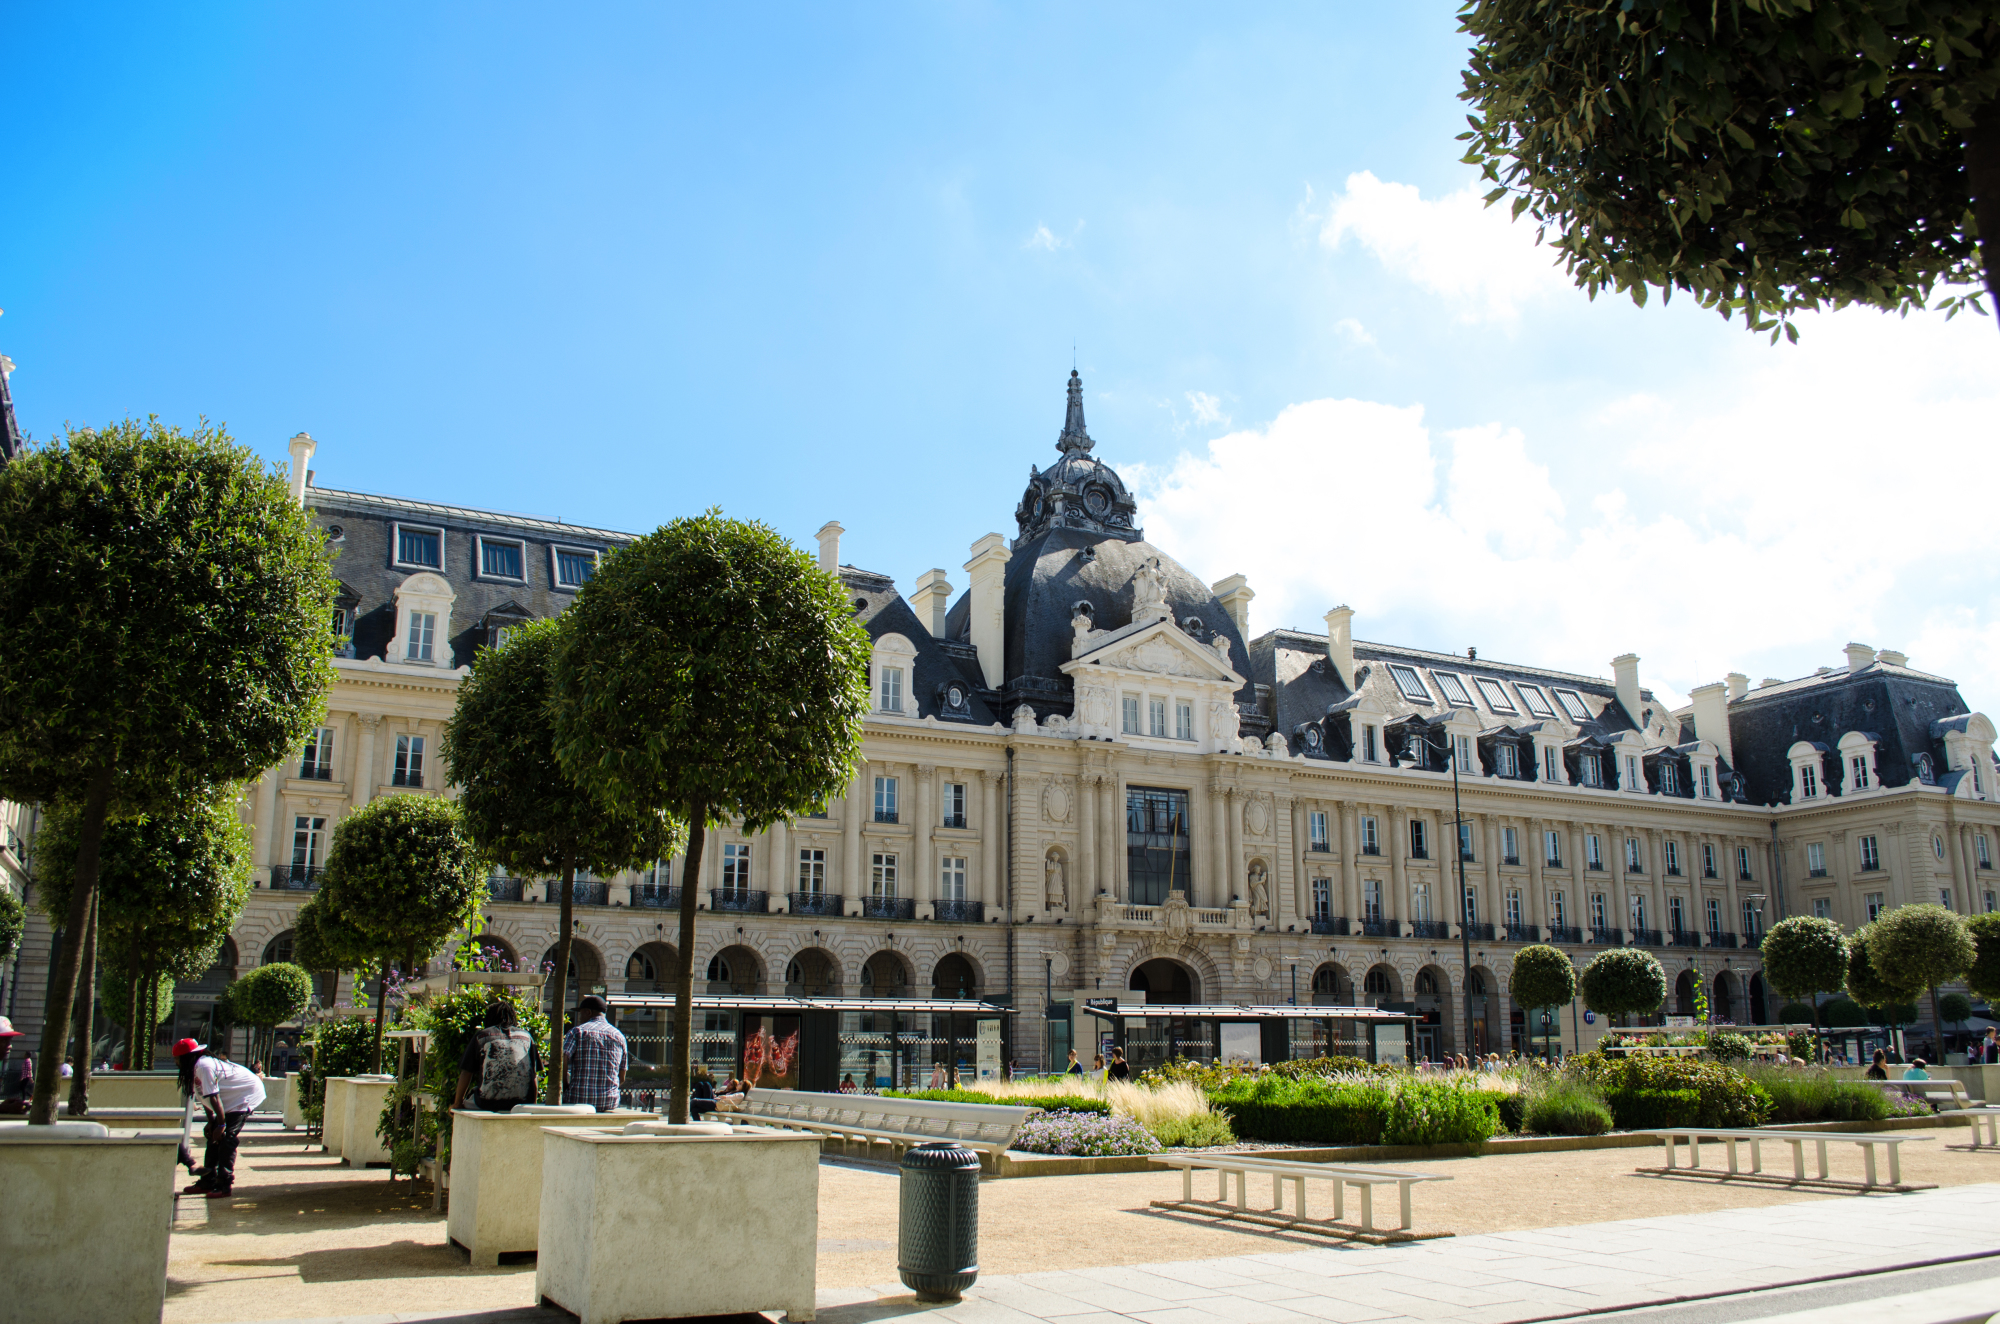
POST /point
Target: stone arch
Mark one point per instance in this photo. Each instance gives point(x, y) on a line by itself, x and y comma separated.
point(586, 971)
point(1485, 1034)
point(812, 972)
point(955, 976)
point(495, 950)
point(652, 968)
point(1433, 996)
point(1332, 986)
point(278, 949)
point(1166, 980)
point(1057, 879)
point(1722, 1002)
point(1684, 986)
point(736, 969)
point(886, 974)
point(1760, 1010)
point(1382, 983)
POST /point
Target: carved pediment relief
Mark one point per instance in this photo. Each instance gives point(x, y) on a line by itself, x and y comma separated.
point(1162, 650)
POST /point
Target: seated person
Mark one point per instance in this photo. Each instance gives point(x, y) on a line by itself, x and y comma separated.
point(500, 1065)
point(1915, 1071)
point(701, 1095)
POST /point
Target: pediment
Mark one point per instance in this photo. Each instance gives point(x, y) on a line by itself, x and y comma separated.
point(1160, 648)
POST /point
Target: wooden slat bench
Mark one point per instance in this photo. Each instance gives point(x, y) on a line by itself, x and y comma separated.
point(868, 1119)
point(1730, 1138)
point(1298, 1174)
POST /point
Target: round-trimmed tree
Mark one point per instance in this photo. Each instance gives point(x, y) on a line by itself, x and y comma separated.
point(1542, 977)
point(266, 998)
point(1805, 956)
point(1955, 1008)
point(1926, 945)
point(165, 619)
point(1984, 976)
point(1867, 986)
point(1625, 981)
point(522, 809)
point(710, 671)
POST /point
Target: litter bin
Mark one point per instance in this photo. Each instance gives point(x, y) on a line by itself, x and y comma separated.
point(937, 1244)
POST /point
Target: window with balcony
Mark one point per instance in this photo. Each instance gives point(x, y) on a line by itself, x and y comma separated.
point(1990, 897)
point(1634, 863)
point(885, 800)
point(1638, 900)
point(735, 867)
point(1559, 910)
point(1322, 898)
point(317, 762)
point(1371, 900)
point(1677, 914)
point(1708, 859)
point(1871, 854)
point(954, 804)
point(1158, 850)
point(419, 548)
point(951, 878)
point(1599, 912)
point(1183, 720)
point(1371, 841)
point(1552, 849)
point(1465, 841)
point(1983, 851)
point(1128, 712)
point(308, 842)
point(1673, 853)
point(1317, 834)
point(419, 645)
point(812, 872)
point(1510, 846)
point(1753, 921)
point(1815, 859)
point(1156, 718)
point(1420, 902)
point(1419, 840)
point(1514, 918)
point(882, 875)
point(409, 762)
point(1743, 865)
point(1593, 851)
point(1714, 914)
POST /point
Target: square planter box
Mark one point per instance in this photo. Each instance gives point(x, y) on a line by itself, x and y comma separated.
point(353, 1104)
point(496, 1177)
point(666, 1226)
point(85, 1239)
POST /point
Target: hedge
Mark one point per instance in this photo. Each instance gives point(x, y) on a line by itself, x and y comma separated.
point(1644, 1109)
point(1067, 1103)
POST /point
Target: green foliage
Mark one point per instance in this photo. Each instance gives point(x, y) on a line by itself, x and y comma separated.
point(1198, 1132)
point(270, 995)
point(323, 940)
point(338, 1046)
point(1798, 1013)
point(1956, 1008)
point(1843, 1012)
point(1727, 1096)
point(1308, 1111)
point(403, 874)
point(1543, 977)
point(1728, 1046)
point(1644, 1109)
point(1868, 984)
point(1804, 956)
point(1925, 944)
point(1813, 1095)
point(1440, 1112)
point(1623, 981)
point(1072, 1103)
point(1767, 156)
point(1562, 1106)
point(13, 919)
point(452, 1021)
point(1302, 1068)
point(1984, 976)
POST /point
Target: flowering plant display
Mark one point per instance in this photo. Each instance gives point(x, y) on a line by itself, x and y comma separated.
point(1094, 1135)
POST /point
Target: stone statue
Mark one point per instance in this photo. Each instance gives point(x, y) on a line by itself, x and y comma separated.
point(1220, 643)
point(1058, 888)
point(1080, 626)
point(1149, 591)
point(1024, 720)
point(1223, 726)
point(1260, 891)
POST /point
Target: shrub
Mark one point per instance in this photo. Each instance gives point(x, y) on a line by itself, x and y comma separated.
point(1624, 981)
point(1797, 1013)
point(1194, 1132)
point(1644, 1109)
point(1073, 1103)
point(1425, 1112)
point(1181, 1070)
point(1564, 1107)
point(1311, 1111)
point(1304, 1068)
point(1513, 1109)
point(1842, 1012)
point(1815, 1096)
point(1091, 1134)
point(1956, 1008)
point(1728, 1097)
point(1728, 1046)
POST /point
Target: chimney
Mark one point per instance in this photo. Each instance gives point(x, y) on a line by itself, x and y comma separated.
point(829, 546)
point(1340, 643)
point(1235, 593)
point(1768, 682)
point(1889, 657)
point(1711, 716)
point(933, 600)
point(1858, 656)
point(1739, 685)
point(988, 568)
point(1625, 671)
point(302, 448)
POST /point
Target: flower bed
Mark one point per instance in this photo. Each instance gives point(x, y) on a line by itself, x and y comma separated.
point(1093, 1135)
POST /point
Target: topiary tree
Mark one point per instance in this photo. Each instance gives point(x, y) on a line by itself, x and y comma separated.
point(710, 671)
point(1984, 976)
point(524, 811)
point(1794, 1013)
point(266, 998)
point(1805, 956)
point(1870, 988)
point(1624, 981)
point(1768, 156)
point(403, 873)
point(1956, 1008)
point(1844, 1013)
point(164, 616)
point(324, 942)
point(1543, 977)
point(1926, 945)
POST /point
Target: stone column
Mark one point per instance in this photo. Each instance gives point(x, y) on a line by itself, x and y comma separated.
point(1726, 866)
point(991, 822)
point(853, 878)
point(1300, 889)
point(1233, 884)
point(1218, 855)
point(923, 887)
point(366, 772)
point(1349, 846)
point(778, 871)
point(1399, 873)
point(1495, 904)
point(1616, 841)
point(1572, 834)
point(1538, 900)
point(1085, 881)
point(1110, 836)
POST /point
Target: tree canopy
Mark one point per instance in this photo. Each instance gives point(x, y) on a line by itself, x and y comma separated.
point(1543, 977)
point(13, 919)
point(1926, 944)
point(1803, 956)
point(1624, 981)
point(323, 940)
point(1984, 976)
point(1865, 982)
point(1763, 156)
point(266, 998)
point(711, 671)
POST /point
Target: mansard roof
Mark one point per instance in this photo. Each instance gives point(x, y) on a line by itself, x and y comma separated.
point(1902, 705)
point(883, 610)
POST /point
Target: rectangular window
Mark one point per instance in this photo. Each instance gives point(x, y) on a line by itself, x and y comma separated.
point(1156, 718)
point(1708, 859)
point(1495, 695)
point(1638, 910)
point(1421, 903)
point(1317, 824)
point(1537, 702)
point(1507, 760)
point(1514, 907)
point(1673, 850)
point(1453, 689)
point(1591, 769)
point(1462, 750)
point(951, 878)
point(812, 872)
point(1822, 907)
point(885, 800)
point(1559, 909)
point(1552, 849)
point(882, 875)
point(954, 804)
point(1183, 720)
point(574, 566)
point(1633, 862)
point(1368, 753)
point(891, 689)
point(1465, 841)
point(1510, 846)
point(422, 636)
point(1945, 898)
point(1410, 683)
point(338, 623)
point(1322, 898)
point(1808, 781)
point(1593, 851)
point(1871, 855)
point(1990, 898)
point(1670, 778)
point(1598, 912)
point(1707, 782)
point(1371, 900)
point(1743, 864)
point(1633, 781)
point(1715, 915)
point(1551, 764)
point(1753, 919)
point(1129, 712)
point(1158, 850)
point(1858, 770)
point(308, 842)
point(420, 547)
point(409, 761)
point(1677, 914)
point(1984, 851)
point(1371, 843)
point(1875, 904)
point(1815, 859)
point(501, 560)
point(735, 867)
point(1419, 841)
point(317, 762)
point(1471, 907)
point(1573, 705)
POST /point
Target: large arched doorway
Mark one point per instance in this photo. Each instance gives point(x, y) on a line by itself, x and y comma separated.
point(1433, 987)
point(1332, 987)
point(1722, 1003)
point(885, 975)
point(1760, 1014)
point(1152, 1040)
point(812, 972)
point(1684, 994)
point(954, 977)
point(735, 970)
point(653, 968)
point(586, 975)
point(1165, 983)
point(1381, 984)
point(1479, 986)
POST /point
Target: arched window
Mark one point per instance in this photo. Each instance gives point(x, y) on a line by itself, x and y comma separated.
point(718, 969)
point(1427, 984)
point(640, 967)
point(278, 949)
point(1377, 983)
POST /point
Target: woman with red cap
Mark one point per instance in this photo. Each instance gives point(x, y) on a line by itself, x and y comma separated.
point(227, 1094)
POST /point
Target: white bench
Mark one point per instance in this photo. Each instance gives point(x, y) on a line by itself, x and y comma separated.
point(1985, 1128)
point(1731, 1138)
point(1291, 1170)
point(987, 1128)
point(1944, 1094)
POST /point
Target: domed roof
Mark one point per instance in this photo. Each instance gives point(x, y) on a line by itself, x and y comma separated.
point(1076, 492)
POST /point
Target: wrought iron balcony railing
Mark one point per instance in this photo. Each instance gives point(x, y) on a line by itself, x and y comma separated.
point(888, 907)
point(816, 903)
point(1566, 933)
point(959, 912)
point(739, 899)
point(1524, 933)
point(1336, 925)
point(295, 878)
point(659, 896)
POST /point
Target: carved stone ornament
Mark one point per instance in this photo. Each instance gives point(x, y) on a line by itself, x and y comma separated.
point(1176, 917)
point(1257, 816)
point(1057, 894)
point(1057, 800)
point(1260, 890)
point(1160, 657)
point(1024, 720)
point(1149, 591)
point(1261, 969)
point(1097, 708)
point(1058, 964)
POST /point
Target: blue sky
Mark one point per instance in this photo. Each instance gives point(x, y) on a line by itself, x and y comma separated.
point(809, 264)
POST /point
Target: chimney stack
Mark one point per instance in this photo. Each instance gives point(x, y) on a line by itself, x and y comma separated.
point(829, 546)
point(1235, 593)
point(1889, 657)
point(1711, 717)
point(933, 600)
point(302, 448)
point(1340, 643)
point(1625, 671)
point(1858, 656)
point(988, 568)
point(1739, 685)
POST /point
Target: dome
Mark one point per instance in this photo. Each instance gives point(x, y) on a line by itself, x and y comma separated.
point(1077, 491)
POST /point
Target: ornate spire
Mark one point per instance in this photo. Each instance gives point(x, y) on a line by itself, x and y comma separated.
point(1074, 439)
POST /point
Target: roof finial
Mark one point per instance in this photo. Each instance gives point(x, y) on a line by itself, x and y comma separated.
point(1074, 438)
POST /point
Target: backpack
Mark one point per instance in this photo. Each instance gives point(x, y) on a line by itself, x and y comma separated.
point(506, 1067)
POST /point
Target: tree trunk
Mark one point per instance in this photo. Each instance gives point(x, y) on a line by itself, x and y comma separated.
point(86, 1018)
point(381, 1007)
point(1982, 176)
point(1937, 1021)
point(132, 1019)
point(559, 1000)
point(62, 988)
point(677, 1109)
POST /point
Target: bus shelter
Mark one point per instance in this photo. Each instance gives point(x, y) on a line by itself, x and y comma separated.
point(816, 1043)
point(1153, 1033)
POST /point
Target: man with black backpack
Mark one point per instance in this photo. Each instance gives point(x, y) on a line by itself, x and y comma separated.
point(500, 1065)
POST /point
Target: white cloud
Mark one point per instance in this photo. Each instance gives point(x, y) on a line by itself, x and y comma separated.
point(1045, 238)
point(1354, 331)
point(1454, 246)
point(1791, 500)
point(1207, 408)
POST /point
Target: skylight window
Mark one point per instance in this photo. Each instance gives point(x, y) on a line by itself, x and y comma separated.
point(1454, 689)
point(1538, 703)
point(1410, 683)
point(1572, 703)
point(1494, 694)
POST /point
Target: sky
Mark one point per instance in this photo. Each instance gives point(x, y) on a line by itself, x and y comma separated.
point(621, 264)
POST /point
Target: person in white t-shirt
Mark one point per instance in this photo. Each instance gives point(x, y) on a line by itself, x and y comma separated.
point(227, 1094)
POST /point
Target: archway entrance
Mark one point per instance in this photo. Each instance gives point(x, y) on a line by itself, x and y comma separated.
point(1684, 994)
point(885, 975)
point(954, 977)
point(1759, 1013)
point(1433, 1010)
point(1480, 985)
point(1722, 1004)
point(1165, 983)
point(811, 973)
point(1153, 1040)
point(1331, 987)
point(735, 970)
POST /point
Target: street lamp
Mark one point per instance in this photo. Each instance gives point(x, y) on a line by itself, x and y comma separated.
point(1450, 750)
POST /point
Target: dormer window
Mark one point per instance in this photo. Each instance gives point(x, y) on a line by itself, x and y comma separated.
point(1369, 749)
point(1507, 760)
point(1590, 769)
point(1551, 765)
point(420, 642)
point(1409, 683)
point(574, 566)
point(1462, 752)
point(1857, 773)
point(1495, 695)
point(1453, 689)
point(1808, 781)
point(1538, 703)
point(419, 548)
point(1573, 704)
point(890, 689)
point(1670, 778)
point(502, 558)
point(1707, 782)
point(1633, 781)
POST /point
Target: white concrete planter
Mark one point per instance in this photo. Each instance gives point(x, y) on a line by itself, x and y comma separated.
point(353, 1104)
point(664, 1226)
point(295, 1103)
point(496, 1176)
point(85, 1241)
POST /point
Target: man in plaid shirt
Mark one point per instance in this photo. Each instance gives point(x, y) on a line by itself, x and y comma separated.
point(593, 1058)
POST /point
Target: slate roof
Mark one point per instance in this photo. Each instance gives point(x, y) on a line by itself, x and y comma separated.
point(882, 610)
point(1900, 704)
point(11, 441)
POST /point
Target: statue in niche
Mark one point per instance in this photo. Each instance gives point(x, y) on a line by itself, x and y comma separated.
point(1058, 886)
point(1260, 890)
point(1149, 591)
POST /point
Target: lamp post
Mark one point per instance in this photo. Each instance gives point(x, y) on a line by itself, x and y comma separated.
point(1450, 748)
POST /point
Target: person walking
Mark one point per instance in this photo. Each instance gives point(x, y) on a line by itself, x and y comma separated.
point(228, 1094)
point(593, 1057)
point(1119, 1071)
point(499, 1067)
point(1075, 1068)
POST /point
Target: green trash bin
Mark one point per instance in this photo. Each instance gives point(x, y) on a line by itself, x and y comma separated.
point(937, 1242)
